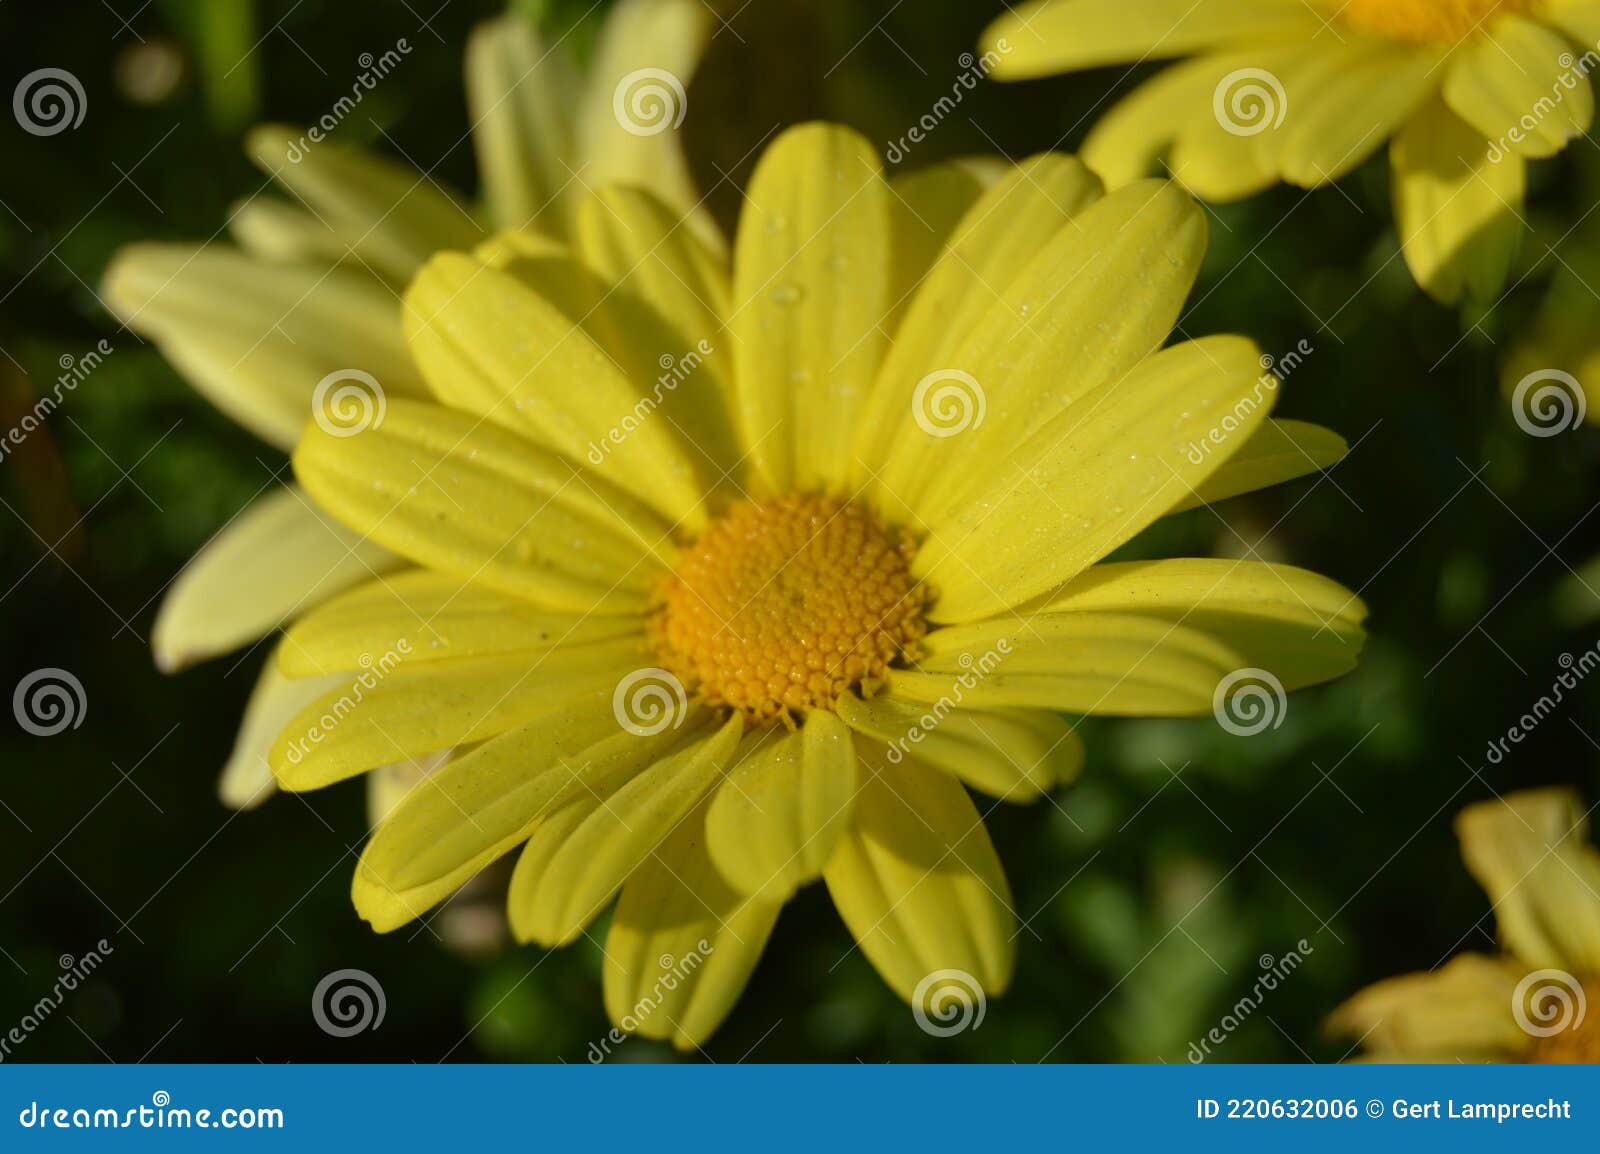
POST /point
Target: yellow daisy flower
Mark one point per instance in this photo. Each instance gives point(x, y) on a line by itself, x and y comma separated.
point(313, 289)
point(733, 578)
point(1539, 1001)
point(1303, 91)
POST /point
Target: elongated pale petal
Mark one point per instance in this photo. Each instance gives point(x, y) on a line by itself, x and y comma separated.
point(486, 803)
point(1049, 342)
point(518, 96)
point(924, 208)
point(991, 246)
point(1093, 477)
point(281, 232)
point(279, 557)
point(486, 505)
point(1462, 1008)
point(490, 344)
point(1456, 205)
point(811, 290)
point(1341, 103)
point(918, 883)
point(1015, 755)
point(391, 216)
point(435, 617)
point(583, 861)
point(255, 338)
point(247, 779)
point(388, 785)
point(630, 122)
point(1049, 36)
point(1530, 852)
point(1580, 19)
point(682, 943)
point(386, 713)
point(1508, 84)
point(1276, 452)
point(772, 825)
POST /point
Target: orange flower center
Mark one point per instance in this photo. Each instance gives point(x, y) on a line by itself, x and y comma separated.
point(1425, 21)
point(784, 604)
point(1578, 1041)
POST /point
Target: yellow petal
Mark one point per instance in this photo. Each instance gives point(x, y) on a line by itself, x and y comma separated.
point(918, 883)
point(773, 823)
point(572, 867)
point(247, 779)
point(386, 713)
point(1013, 754)
point(1515, 83)
point(1341, 103)
point(486, 505)
point(1456, 205)
point(434, 617)
point(682, 943)
point(1054, 338)
point(256, 338)
point(1462, 1008)
point(924, 208)
point(1276, 452)
point(489, 344)
point(277, 558)
point(485, 803)
point(518, 98)
point(388, 785)
point(1579, 19)
point(1049, 36)
point(990, 248)
point(811, 287)
point(1530, 852)
point(1092, 478)
point(283, 233)
point(630, 122)
point(391, 216)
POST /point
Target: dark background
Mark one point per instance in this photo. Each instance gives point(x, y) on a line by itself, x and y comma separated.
point(1154, 887)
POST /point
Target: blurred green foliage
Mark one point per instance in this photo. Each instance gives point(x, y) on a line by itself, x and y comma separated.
point(1151, 891)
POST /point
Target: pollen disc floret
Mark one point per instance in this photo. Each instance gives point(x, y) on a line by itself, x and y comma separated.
point(1427, 20)
point(784, 604)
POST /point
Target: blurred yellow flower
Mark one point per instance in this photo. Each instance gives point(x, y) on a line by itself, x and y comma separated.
point(730, 578)
point(1539, 1001)
point(312, 293)
point(1303, 91)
